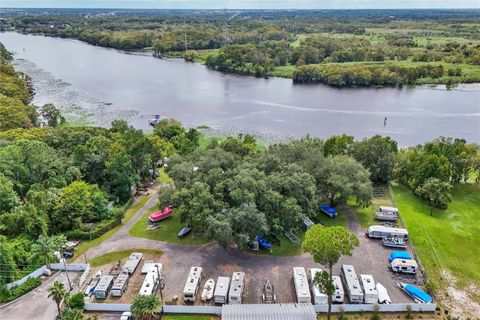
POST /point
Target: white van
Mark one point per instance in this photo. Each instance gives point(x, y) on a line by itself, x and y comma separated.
point(404, 266)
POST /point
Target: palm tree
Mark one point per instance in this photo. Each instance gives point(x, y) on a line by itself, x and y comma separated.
point(45, 246)
point(57, 292)
point(145, 307)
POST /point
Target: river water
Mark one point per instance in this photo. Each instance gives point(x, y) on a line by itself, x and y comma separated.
point(96, 84)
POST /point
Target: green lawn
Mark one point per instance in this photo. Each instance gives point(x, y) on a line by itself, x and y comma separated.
point(119, 255)
point(87, 244)
point(168, 231)
point(449, 239)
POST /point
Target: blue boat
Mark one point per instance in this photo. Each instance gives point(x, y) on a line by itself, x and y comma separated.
point(416, 293)
point(399, 255)
point(329, 211)
point(263, 243)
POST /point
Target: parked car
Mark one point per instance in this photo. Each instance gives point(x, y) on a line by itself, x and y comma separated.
point(263, 243)
point(328, 211)
point(126, 316)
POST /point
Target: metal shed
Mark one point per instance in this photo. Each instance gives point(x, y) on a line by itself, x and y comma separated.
point(286, 311)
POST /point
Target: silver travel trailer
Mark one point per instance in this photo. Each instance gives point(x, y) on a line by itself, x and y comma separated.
point(302, 289)
point(236, 288)
point(369, 289)
point(132, 263)
point(221, 290)
point(354, 291)
point(151, 281)
point(103, 287)
point(148, 264)
point(385, 213)
point(404, 266)
point(318, 297)
point(120, 285)
point(378, 231)
point(339, 295)
point(192, 284)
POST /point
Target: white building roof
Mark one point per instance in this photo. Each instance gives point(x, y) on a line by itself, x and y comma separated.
point(287, 311)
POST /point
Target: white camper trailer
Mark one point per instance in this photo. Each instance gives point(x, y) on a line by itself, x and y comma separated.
point(339, 295)
point(369, 288)
point(132, 263)
point(191, 286)
point(103, 287)
point(404, 266)
point(236, 288)
point(354, 291)
point(378, 231)
point(221, 290)
point(148, 264)
point(318, 297)
point(120, 285)
point(301, 285)
point(151, 281)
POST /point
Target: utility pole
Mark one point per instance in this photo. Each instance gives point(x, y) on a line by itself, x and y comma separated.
point(185, 33)
point(160, 282)
point(66, 271)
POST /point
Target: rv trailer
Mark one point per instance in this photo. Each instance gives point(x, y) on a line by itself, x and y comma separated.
point(318, 297)
point(301, 285)
point(354, 291)
point(149, 264)
point(369, 289)
point(378, 231)
point(132, 263)
point(404, 266)
point(120, 285)
point(236, 288)
point(103, 287)
point(221, 290)
point(339, 295)
point(191, 286)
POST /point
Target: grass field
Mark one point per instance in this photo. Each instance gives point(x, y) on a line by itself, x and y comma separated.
point(449, 239)
point(85, 245)
point(119, 255)
point(168, 231)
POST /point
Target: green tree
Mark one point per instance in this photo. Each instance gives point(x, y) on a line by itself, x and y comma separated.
point(145, 307)
point(71, 314)
point(44, 248)
point(324, 283)
point(8, 197)
point(57, 292)
point(436, 192)
point(76, 301)
point(337, 145)
point(119, 172)
point(8, 267)
point(327, 245)
point(52, 115)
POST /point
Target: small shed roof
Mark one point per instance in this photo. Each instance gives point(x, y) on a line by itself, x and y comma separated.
point(287, 311)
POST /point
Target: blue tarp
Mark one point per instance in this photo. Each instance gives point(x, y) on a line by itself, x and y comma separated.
point(399, 255)
point(329, 211)
point(418, 293)
point(263, 243)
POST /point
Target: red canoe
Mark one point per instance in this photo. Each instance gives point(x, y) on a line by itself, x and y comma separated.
point(160, 215)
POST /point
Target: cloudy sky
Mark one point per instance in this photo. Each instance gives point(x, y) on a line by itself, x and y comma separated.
point(243, 4)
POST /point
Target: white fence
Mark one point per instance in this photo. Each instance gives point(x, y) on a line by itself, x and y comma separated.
point(118, 307)
point(35, 274)
point(84, 275)
point(394, 307)
point(70, 266)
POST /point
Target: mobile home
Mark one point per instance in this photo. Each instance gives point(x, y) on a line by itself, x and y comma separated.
point(369, 288)
point(354, 291)
point(103, 287)
point(301, 285)
point(221, 290)
point(120, 285)
point(339, 295)
point(132, 263)
point(151, 282)
point(318, 297)
point(191, 286)
point(236, 288)
point(404, 266)
point(378, 231)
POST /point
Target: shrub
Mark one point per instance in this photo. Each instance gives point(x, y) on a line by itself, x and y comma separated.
point(76, 300)
point(15, 292)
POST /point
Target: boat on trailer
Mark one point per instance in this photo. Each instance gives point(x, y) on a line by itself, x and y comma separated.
point(385, 213)
point(207, 293)
point(160, 215)
point(394, 242)
point(417, 294)
point(269, 293)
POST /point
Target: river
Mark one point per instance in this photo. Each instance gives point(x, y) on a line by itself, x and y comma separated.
point(95, 84)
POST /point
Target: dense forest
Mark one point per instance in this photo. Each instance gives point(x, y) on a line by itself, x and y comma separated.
point(338, 48)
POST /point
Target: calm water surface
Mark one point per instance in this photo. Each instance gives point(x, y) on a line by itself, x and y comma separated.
point(137, 86)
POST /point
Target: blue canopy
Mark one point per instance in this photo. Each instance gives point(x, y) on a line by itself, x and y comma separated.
point(331, 212)
point(399, 255)
point(263, 243)
point(418, 293)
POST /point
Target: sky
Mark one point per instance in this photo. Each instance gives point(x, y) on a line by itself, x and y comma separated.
point(242, 4)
